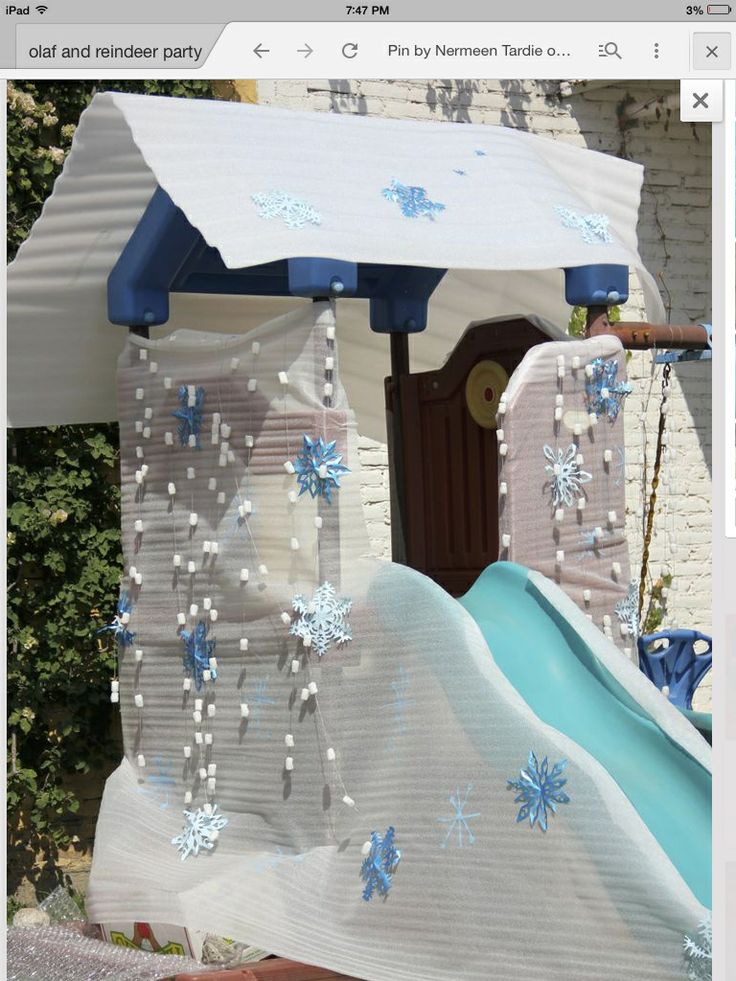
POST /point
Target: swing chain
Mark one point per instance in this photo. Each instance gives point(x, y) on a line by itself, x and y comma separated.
point(655, 484)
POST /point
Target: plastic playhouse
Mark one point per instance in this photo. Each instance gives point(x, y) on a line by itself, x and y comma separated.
point(448, 765)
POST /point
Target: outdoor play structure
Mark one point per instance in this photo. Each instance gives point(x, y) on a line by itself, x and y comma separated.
point(375, 776)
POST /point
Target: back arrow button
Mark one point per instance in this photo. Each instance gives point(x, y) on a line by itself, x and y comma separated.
point(306, 50)
point(260, 50)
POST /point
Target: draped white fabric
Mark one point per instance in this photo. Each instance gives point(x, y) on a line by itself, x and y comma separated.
point(413, 705)
point(499, 231)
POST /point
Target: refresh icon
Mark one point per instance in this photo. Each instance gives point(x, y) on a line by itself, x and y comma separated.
point(350, 49)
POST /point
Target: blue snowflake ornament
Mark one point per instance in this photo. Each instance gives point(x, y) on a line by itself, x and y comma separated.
point(565, 476)
point(592, 227)
point(117, 627)
point(189, 416)
point(319, 468)
point(201, 831)
point(699, 953)
point(380, 864)
point(413, 201)
point(197, 653)
point(458, 827)
point(604, 394)
point(294, 212)
point(539, 788)
point(627, 609)
point(323, 619)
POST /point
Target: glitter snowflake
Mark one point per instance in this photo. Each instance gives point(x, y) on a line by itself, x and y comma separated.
point(400, 703)
point(699, 953)
point(413, 201)
point(590, 543)
point(566, 477)
point(201, 831)
point(481, 153)
point(380, 864)
point(197, 653)
point(458, 826)
point(319, 468)
point(604, 394)
point(539, 788)
point(258, 702)
point(593, 227)
point(460, 172)
point(323, 619)
point(116, 627)
point(294, 212)
point(627, 609)
point(190, 416)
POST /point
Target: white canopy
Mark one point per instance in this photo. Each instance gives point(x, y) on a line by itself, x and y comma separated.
point(501, 209)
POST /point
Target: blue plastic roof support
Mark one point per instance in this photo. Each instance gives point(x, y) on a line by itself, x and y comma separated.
point(322, 277)
point(138, 286)
point(399, 303)
point(596, 285)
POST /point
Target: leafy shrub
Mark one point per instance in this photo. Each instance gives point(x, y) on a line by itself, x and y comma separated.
point(63, 539)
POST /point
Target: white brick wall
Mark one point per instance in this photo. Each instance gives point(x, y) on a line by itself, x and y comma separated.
point(637, 120)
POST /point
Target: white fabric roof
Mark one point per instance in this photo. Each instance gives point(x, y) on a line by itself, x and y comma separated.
point(499, 234)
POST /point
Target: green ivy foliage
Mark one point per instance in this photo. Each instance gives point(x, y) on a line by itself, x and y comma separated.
point(63, 538)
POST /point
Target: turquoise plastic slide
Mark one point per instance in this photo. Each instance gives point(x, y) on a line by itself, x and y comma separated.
point(558, 675)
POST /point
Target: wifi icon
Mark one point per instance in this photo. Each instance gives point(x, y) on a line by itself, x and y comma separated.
point(41, 9)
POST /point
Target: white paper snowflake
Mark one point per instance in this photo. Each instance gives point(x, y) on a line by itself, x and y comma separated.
point(323, 619)
point(627, 609)
point(565, 476)
point(294, 212)
point(201, 831)
point(699, 953)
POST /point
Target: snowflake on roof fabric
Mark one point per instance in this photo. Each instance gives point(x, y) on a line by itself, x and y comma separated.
point(294, 212)
point(201, 830)
point(413, 201)
point(380, 864)
point(323, 620)
point(197, 653)
point(319, 468)
point(118, 626)
point(592, 227)
point(565, 476)
point(627, 609)
point(699, 953)
point(190, 413)
point(539, 789)
point(604, 394)
point(458, 828)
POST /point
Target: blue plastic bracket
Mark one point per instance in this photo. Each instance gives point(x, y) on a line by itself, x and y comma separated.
point(167, 254)
point(596, 285)
point(674, 357)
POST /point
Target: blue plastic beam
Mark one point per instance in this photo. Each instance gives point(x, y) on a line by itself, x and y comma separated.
point(596, 285)
point(166, 254)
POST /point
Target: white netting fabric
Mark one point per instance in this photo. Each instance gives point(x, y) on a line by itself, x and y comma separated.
point(412, 707)
point(562, 420)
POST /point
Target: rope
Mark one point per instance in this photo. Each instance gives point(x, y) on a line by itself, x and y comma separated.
point(655, 484)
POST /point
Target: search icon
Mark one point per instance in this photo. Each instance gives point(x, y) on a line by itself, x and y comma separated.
point(609, 50)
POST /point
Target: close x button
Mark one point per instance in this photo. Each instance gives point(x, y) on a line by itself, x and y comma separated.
point(711, 52)
point(701, 100)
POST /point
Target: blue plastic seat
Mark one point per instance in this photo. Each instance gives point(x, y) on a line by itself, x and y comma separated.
point(676, 664)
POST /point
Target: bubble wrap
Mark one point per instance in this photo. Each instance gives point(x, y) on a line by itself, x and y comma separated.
point(419, 717)
point(57, 953)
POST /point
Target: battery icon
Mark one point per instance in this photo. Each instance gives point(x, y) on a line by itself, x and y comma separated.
point(718, 8)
